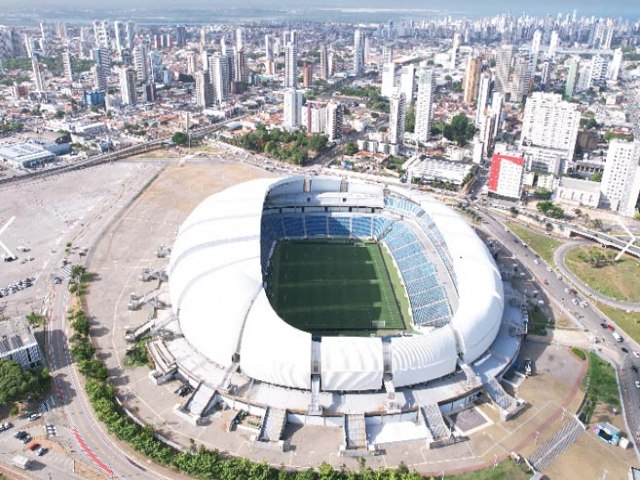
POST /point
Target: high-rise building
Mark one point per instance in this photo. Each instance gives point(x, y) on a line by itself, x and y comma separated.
point(408, 82)
point(102, 57)
point(128, 86)
point(268, 46)
point(37, 74)
point(551, 123)
point(553, 45)
point(239, 38)
point(535, 50)
point(334, 121)
point(141, 62)
point(100, 78)
point(314, 117)
point(387, 54)
point(424, 104)
point(358, 52)
point(292, 108)
point(204, 94)
point(219, 77)
point(191, 63)
point(10, 42)
point(130, 34)
point(101, 34)
point(599, 67)
point(396, 118)
point(388, 80)
point(504, 56)
point(572, 75)
point(240, 67)
point(290, 66)
point(149, 93)
point(472, 79)
point(505, 175)
point(497, 101)
point(67, 65)
point(120, 34)
point(181, 36)
point(483, 97)
point(307, 75)
point(324, 62)
point(620, 184)
point(454, 50)
point(521, 80)
point(615, 65)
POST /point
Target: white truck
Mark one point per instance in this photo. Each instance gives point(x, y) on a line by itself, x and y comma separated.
point(21, 462)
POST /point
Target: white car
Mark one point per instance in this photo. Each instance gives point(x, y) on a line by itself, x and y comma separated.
point(636, 354)
point(637, 383)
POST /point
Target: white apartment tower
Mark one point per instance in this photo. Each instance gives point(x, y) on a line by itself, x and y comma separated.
point(128, 86)
point(37, 74)
point(292, 108)
point(553, 45)
point(620, 185)
point(290, 79)
point(424, 104)
point(388, 80)
point(396, 118)
point(483, 97)
point(615, 65)
point(454, 50)
point(334, 121)
point(141, 62)
point(551, 123)
point(101, 34)
point(67, 66)
point(408, 82)
point(504, 56)
point(219, 76)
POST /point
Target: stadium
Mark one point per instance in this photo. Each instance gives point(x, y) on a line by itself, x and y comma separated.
point(338, 302)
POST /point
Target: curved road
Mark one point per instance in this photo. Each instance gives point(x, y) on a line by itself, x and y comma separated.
point(591, 320)
point(558, 258)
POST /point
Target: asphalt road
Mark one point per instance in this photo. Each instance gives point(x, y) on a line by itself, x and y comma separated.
point(590, 320)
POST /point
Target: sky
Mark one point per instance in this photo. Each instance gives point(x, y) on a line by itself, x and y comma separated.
point(599, 7)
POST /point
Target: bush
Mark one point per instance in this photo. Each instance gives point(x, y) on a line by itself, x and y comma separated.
point(578, 352)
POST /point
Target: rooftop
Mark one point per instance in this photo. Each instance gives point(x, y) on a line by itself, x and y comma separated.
point(14, 335)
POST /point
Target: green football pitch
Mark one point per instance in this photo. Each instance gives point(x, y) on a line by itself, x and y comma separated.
point(337, 287)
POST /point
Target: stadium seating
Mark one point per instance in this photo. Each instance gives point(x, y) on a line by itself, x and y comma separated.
point(316, 225)
point(341, 226)
point(293, 226)
point(361, 226)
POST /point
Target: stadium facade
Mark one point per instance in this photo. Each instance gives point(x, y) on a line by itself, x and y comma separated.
point(234, 348)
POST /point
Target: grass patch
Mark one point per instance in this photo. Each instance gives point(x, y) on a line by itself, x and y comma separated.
point(628, 322)
point(600, 386)
point(335, 287)
point(507, 470)
point(543, 245)
point(538, 322)
point(619, 280)
point(578, 352)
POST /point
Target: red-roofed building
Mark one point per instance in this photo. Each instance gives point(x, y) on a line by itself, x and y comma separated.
point(505, 175)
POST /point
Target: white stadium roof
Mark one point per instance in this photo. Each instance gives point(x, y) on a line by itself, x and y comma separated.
point(217, 292)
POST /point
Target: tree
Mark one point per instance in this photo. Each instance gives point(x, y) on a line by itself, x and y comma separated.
point(350, 148)
point(597, 177)
point(16, 383)
point(180, 138)
point(460, 130)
